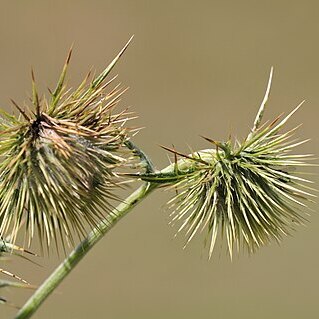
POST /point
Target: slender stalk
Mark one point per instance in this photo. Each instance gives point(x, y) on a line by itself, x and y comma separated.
point(81, 250)
point(153, 179)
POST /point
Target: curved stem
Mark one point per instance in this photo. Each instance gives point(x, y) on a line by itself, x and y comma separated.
point(149, 167)
point(152, 179)
point(81, 250)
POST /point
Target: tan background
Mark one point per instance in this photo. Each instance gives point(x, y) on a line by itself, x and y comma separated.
point(194, 68)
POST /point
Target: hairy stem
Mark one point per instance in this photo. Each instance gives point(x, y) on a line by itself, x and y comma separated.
point(82, 249)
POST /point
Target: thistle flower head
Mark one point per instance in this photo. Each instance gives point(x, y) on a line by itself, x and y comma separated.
point(247, 192)
point(57, 159)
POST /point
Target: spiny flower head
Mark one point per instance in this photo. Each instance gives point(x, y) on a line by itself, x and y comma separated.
point(245, 192)
point(57, 160)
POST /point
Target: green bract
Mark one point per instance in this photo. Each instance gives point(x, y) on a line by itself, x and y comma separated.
point(57, 161)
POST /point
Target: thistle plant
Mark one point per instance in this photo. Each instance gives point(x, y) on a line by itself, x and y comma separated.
point(63, 158)
point(244, 191)
point(58, 158)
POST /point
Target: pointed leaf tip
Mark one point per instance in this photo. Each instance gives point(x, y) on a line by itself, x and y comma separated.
point(32, 75)
point(183, 155)
point(126, 46)
point(68, 58)
point(20, 110)
point(99, 79)
point(261, 110)
point(210, 140)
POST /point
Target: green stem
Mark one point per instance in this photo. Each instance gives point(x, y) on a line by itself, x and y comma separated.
point(81, 250)
point(152, 179)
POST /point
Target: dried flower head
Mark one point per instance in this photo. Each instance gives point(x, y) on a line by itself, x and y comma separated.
point(57, 159)
point(246, 192)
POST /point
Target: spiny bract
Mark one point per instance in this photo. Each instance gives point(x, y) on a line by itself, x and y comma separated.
point(247, 192)
point(8, 249)
point(56, 169)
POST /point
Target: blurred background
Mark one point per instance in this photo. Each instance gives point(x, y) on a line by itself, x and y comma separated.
point(194, 68)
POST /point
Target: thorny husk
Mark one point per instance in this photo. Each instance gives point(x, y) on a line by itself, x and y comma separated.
point(247, 192)
point(58, 159)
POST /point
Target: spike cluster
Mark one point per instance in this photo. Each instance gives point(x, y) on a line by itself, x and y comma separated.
point(57, 160)
point(247, 193)
point(7, 248)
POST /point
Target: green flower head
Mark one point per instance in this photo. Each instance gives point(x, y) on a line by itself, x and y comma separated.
point(247, 192)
